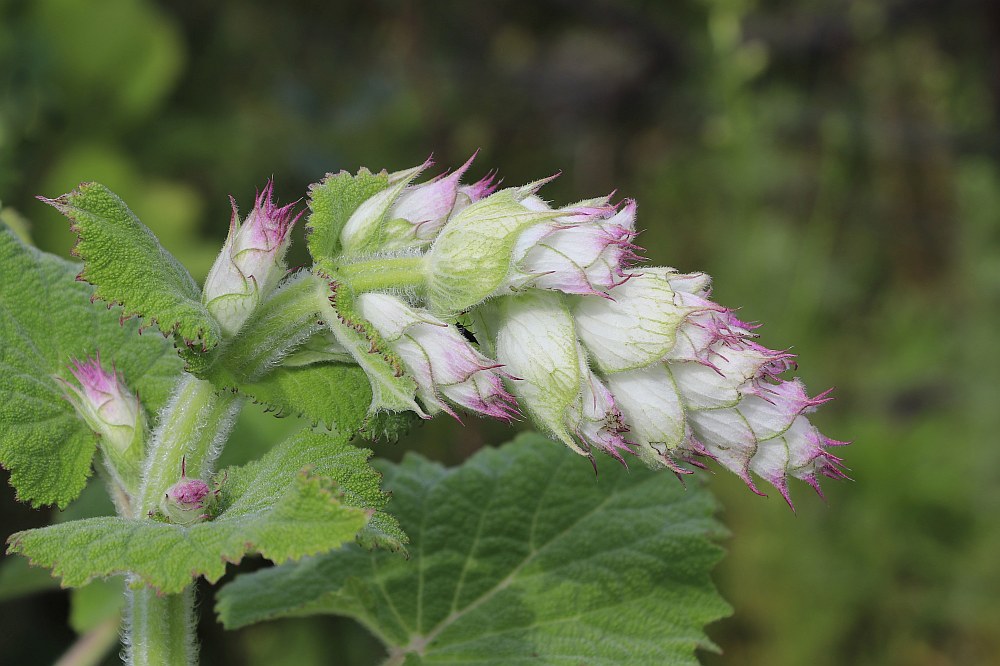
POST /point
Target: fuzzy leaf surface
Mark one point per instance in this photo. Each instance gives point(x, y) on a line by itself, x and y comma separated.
point(334, 394)
point(331, 203)
point(46, 318)
point(126, 263)
point(308, 495)
point(520, 555)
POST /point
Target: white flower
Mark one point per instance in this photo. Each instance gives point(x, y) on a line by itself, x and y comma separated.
point(637, 325)
point(445, 366)
point(537, 344)
point(587, 250)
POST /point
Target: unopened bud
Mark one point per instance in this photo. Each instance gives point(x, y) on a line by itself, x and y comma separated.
point(112, 412)
point(251, 261)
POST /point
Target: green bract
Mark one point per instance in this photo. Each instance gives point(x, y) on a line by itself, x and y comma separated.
point(331, 203)
point(472, 255)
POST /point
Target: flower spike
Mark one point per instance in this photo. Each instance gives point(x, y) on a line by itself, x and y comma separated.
point(601, 352)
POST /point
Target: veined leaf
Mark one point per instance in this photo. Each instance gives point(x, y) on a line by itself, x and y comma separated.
point(520, 555)
point(309, 495)
point(128, 266)
point(46, 318)
point(331, 203)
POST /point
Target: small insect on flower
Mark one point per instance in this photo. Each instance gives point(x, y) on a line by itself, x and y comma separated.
point(189, 501)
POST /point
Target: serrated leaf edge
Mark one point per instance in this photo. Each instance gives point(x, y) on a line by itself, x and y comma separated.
point(325, 484)
point(62, 204)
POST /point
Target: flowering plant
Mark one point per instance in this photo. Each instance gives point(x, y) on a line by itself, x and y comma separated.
point(429, 297)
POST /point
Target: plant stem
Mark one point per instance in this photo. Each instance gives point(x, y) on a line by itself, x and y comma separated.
point(193, 428)
point(384, 273)
point(161, 628)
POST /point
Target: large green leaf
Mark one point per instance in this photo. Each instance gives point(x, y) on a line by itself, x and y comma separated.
point(126, 263)
point(47, 318)
point(520, 555)
point(331, 203)
point(310, 494)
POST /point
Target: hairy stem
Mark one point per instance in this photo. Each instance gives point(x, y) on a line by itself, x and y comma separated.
point(193, 428)
point(160, 628)
point(384, 273)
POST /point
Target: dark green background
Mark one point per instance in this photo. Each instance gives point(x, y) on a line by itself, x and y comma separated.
point(832, 163)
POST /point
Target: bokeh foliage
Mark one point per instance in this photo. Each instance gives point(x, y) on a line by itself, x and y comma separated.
point(832, 163)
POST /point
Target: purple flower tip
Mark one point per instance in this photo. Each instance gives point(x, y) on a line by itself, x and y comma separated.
point(275, 222)
point(189, 492)
point(92, 377)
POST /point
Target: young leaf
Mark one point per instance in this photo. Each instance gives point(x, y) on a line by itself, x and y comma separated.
point(309, 495)
point(46, 318)
point(331, 202)
point(519, 555)
point(334, 394)
point(128, 266)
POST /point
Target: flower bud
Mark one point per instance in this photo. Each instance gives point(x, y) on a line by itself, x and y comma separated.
point(251, 262)
point(595, 418)
point(537, 343)
point(717, 394)
point(470, 194)
point(445, 366)
point(188, 501)
point(637, 325)
point(420, 211)
point(114, 413)
point(585, 251)
point(365, 229)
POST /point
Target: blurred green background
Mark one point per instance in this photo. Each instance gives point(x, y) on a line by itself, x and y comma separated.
point(834, 164)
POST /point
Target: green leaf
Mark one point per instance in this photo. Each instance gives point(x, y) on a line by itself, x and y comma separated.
point(127, 264)
point(520, 555)
point(331, 203)
point(46, 318)
point(334, 394)
point(310, 494)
